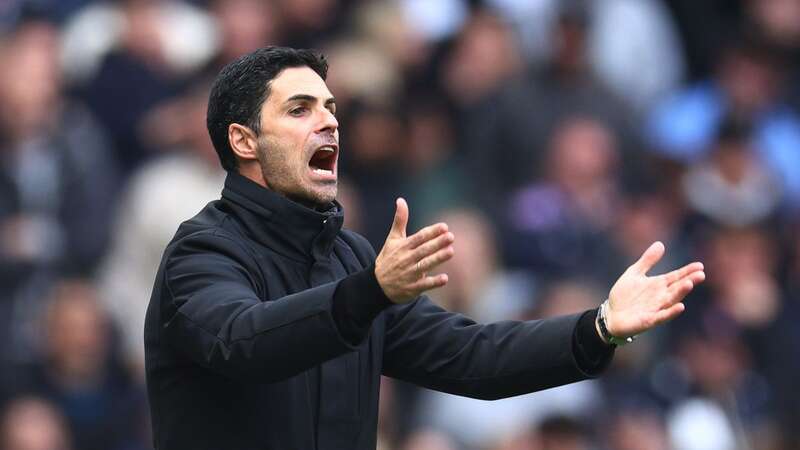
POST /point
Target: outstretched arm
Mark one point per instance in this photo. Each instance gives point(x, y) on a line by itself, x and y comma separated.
point(449, 352)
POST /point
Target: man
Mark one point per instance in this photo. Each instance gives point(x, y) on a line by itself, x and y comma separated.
point(269, 326)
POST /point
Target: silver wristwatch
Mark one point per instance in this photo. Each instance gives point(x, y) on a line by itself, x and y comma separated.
point(603, 327)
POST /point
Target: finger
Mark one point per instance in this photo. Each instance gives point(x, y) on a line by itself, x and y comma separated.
point(432, 246)
point(430, 282)
point(649, 258)
point(670, 313)
point(400, 219)
point(425, 235)
point(434, 260)
point(697, 277)
point(677, 274)
point(688, 282)
point(679, 290)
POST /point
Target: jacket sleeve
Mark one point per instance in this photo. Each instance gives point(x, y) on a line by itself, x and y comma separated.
point(212, 314)
point(437, 349)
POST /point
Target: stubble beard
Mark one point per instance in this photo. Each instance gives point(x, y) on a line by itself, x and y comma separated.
point(280, 177)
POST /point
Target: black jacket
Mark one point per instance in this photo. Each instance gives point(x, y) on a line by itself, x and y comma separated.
point(268, 330)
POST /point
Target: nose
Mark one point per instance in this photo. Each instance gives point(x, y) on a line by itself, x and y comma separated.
point(328, 122)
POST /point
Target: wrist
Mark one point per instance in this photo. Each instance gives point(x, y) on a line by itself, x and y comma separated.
point(602, 326)
point(382, 284)
point(603, 336)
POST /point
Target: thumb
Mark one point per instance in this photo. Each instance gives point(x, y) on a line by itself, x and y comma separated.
point(649, 258)
point(400, 219)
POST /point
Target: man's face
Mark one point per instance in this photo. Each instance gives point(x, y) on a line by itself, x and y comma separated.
point(298, 147)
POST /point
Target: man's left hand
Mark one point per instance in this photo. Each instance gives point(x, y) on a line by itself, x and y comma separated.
point(638, 302)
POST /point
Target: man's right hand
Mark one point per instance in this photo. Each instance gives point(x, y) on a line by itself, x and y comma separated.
point(404, 261)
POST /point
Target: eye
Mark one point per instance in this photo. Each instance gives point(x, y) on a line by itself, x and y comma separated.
point(299, 111)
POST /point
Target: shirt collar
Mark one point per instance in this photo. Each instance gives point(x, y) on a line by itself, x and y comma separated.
point(282, 224)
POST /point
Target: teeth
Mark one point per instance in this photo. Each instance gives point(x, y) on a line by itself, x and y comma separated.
point(327, 148)
point(323, 171)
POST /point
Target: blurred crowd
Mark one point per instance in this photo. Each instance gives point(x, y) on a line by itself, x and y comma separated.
point(557, 138)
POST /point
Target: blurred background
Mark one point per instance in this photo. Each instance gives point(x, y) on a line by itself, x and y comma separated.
point(557, 138)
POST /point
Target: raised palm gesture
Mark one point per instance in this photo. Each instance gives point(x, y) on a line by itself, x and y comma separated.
point(638, 302)
point(404, 263)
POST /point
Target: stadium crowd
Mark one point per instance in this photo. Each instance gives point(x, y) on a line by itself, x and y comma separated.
point(557, 138)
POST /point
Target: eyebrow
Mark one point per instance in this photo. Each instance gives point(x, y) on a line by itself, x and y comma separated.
point(309, 98)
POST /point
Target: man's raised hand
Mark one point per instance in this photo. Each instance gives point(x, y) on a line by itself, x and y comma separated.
point(404, 262)
point(638, 302)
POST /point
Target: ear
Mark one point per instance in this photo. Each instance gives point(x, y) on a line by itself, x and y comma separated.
point(243, 142)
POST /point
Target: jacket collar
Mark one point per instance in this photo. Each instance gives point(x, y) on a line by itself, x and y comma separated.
point(281, 224)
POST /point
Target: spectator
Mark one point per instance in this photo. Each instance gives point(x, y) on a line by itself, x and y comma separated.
point(429, 440)
point(560, 224)
point(32, 423)
point(243, 26)
point(778, 22)
point(649, 213)
point(503, 139)
point(641, 429)
point(634, 48)
point(562, 433)
point(81, 374)
point(732, 187)
point(747, 88)
point(143, 52)
point(57, 183)
point(307, 21)
point(728, 346)
point(435, 181)
point(375, 146)
point(704, 28)
point(487, 39)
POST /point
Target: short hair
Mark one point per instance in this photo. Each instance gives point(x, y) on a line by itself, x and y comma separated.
point(244, 85)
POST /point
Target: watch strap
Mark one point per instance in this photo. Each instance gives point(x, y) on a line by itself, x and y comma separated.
point(602, 325)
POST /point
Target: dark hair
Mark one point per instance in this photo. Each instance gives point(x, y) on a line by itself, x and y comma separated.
point(559, 425)
point(242, 87)
point(733, 130)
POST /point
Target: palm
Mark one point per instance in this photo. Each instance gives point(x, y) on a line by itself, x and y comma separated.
point(402, 265)
point(638, 302)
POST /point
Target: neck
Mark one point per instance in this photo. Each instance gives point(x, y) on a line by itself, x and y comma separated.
point(254, 174)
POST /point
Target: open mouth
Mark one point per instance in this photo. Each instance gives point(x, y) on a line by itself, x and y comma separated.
point(323, 161)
